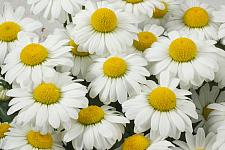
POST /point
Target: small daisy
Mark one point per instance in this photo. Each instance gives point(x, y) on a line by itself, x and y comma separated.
point(116, 77)
point(196, 142)
point(32, 60)
point(28, 138)
point(162, 108)
point(4, 128)
point(194, 17)
point(96, 127)
point(52, 102)
point(101, 28)
point(11, 23)
point(189, 57)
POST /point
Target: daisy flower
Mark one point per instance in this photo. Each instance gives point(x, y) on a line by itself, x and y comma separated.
point(162, 108)
point(196, 142)
point(219, 76)
point(55, 8)
point(194, 17)
point(54, 101)
point(116, 77)
point(4, 128)
point(11, 23)
point(220, 140)
point(102, 28)
point(96, 127)
point(189, 57)
point(28, 138)
point(32, 60)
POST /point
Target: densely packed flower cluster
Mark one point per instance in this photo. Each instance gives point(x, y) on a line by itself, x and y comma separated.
point(118, 74)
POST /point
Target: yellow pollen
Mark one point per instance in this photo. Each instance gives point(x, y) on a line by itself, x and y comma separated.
point(114, 67)
point(183, 50)
point(33, 54)
point(90, 115)
point(196, 17)
point(162, 99)
point(200, 148)
point(46, 93)
point(75, 51)
point(145, 40)
point(39, 141)
point(136, 142)
point(134, 1)
point(9, 31)
point(4, 127)
point(158, 13)
point(206, 111)
point(104, 20)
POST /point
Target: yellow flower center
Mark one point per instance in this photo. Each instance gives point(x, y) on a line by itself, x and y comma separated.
point(39, 141)
point(158, 13)
point(4, 127)
point(206, 111)
point(9, 31)
point(75, 51)
point(183, 50)
point(114, 67)
point(200, 148)
point(90, 115)
point(33, 54)
point(46, 93)
point(162, 99)
point(134, 1)
point(196, 17)
point(136, 142)
point(104, 20)
point(145, 40)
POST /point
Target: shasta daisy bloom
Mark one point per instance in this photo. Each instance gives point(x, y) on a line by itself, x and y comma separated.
point(116, 77)
point(4, 128)
point(96, 127)
point(54, 101)
point(11, 23)
point(194, 17)
point(162, 108)
point(101, 28)
point(31, 60)
point(196, 142)
point(28, 138)
point(189, 57)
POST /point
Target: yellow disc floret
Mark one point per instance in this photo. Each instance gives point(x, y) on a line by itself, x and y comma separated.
point(104, 20)
point(162, 99)
point(145, 40)
point(196, 17)
point(136, 142)
point(200, 148)
point(46, 93)
point(134, 1)
point(33, 54)
point(90, 115)
point(4, 127)
point(114, 67)
point(75, 51)
point(158, 13)
point(183, 50)
point(39, 141)
point(9, 31)
point(206, 111)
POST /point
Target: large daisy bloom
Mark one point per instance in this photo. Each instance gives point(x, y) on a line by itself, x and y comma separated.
point(101, 28)
point(162, 108)
point(189, 57)
point(28, 138)
point(11, 23)
point(196, 142)
point(194, 17)
point(116, 77)
point(54, 101)
point(96, 127)
point(4, 128)
point(32, 59)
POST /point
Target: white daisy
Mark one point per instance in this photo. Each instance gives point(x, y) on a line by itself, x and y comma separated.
point(194, 17)
point(162, 108)
point(196, 142)
point(11, 23)
point(116, 77)
point(32, 60)
point(4, 128)
point(28, 138)
point(219, 76)
point(189, 57)
point(52, 102)
point(96, 127)
point(101, 28)
point(220, 140)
